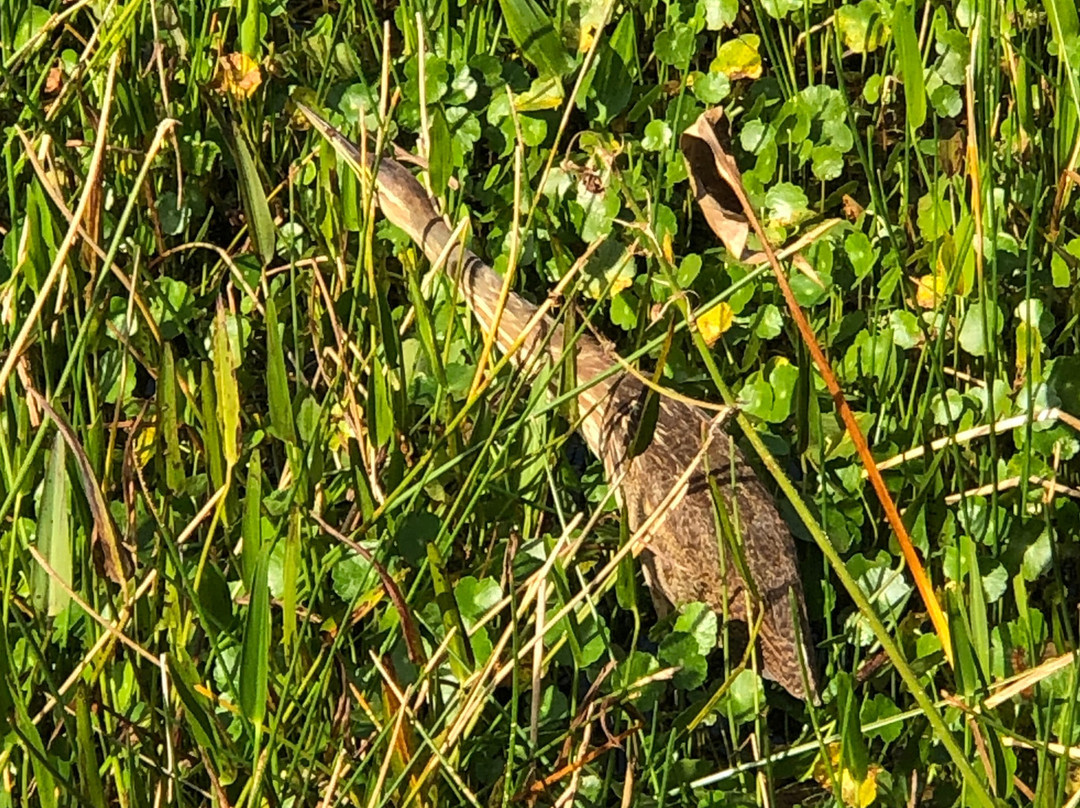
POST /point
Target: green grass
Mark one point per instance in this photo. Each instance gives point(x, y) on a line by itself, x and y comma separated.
point(276, 532)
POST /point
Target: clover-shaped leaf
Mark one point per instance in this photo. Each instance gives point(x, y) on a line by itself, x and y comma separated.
point(657, 135)
point(787, 204)
point(862, 26)
point(718, 13)
point(739, 58)
point(982, 325)
point(675, 45)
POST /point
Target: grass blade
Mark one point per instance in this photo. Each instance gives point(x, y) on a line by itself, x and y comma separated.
point(255, 651)
point(277, 380)
point(291, 574)
point(54, 534)
point(911, 68)
point(252, 196)
point(251, 547)
point(88, 758)
point(167, 409)
point(534, 32)
point(228, 396)
point(211, 430)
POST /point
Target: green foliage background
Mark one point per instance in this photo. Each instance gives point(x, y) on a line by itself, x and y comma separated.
point(254, 376)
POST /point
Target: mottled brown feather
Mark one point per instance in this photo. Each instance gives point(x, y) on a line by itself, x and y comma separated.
point(682, 559)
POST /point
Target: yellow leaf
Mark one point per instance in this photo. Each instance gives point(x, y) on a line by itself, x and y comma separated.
point(592, 14)
point(854, 793)
point(668, 248)
point(144, 446)
point(543, 93)
point(237, 74)
point(739, 58)
point(930, 290)
point(715, 322)
point(342, 428)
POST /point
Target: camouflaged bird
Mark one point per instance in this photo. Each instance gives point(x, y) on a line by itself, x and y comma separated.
point(681, 559)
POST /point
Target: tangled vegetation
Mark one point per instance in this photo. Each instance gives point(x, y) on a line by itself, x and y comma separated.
point(279, 529)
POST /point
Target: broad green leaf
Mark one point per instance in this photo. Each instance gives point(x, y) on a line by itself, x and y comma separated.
point(1065, 24)
point(675, 45)
point(787, 204)
point(476, 597)
point(911, 68)
point(827, 162)
point(610, 86)
point(624, 310)
point(861, 254)
point(534, 32)
point(745, 696)
point(699, 621)
point(862, 26)
point(196, 718)
point(657, 135)
point(290, 594)
point(983, 321)
point(441, 157)
point(54, 534)
point(214, 598)
point(211, 429)
point(638, 665)
point(689, 269)
point(251, 548)
point(769, 323)
point(32, 21)
point(756, 397)
point(778, 9)
point(253, 197)
point(905, 329)
point(88, 756)
point(718, 13)
point(46, 790)
point(1038, 557)
point(354, 575)
point(710, 88)
point(174, 216)
point(854, 756)
point(446, 598)
point(436, 79)
point(782, 378)
point(225, 387)
point(947, 406)
point(877, 708)
point(946, 100)
point(679, 649)
point(254, 671)
point(935, 214)
point(545, 92)
point(249, 28)
point(277, 380)
point(415, 533)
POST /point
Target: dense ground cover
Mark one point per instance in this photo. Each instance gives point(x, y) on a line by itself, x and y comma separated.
point(278, 530)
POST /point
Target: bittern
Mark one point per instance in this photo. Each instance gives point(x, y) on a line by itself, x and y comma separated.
point(682, 557)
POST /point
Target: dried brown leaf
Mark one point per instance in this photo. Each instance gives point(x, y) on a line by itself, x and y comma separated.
point(713, 173)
